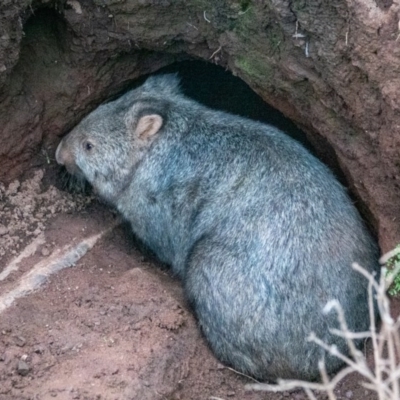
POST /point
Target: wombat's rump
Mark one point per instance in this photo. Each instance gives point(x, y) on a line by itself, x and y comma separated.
point(260, 232)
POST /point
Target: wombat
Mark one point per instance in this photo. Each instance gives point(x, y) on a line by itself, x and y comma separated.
point(259, 231)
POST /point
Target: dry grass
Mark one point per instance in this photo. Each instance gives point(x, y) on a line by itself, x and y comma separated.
point(384, 376)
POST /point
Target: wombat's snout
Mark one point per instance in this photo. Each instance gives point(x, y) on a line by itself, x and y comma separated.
point(65, 157)
point(59, 156)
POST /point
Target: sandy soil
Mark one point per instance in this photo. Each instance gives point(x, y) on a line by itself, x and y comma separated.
point(112, 324)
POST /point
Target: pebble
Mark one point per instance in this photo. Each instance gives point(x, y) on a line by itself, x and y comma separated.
point(3, 230)
point(23, 368)
point(39, 349)
point(37, 231)
point(13, 187)
point(45, 251)
point(349, 394)
point(20, 341)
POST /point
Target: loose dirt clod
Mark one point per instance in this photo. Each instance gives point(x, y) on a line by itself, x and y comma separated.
point(25, 207)
point(23, 368)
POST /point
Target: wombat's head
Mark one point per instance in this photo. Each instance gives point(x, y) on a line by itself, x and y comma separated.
point(107, 145)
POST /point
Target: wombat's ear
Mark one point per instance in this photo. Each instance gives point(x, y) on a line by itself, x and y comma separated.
point(165, 84)
point(143, 122)
point(147, 126)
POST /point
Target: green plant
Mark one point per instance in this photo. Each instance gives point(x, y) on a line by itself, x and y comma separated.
point(391, 264)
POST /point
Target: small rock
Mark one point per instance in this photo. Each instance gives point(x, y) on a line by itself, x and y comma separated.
point(67, 347)
point(220, 366)
point(76, 396)
point(23, 368)
point(3, 230)
point(37, 231)
point(45, 251)
point(39, 349)
point(13, 187)
point(20, 341)
point(349, 394)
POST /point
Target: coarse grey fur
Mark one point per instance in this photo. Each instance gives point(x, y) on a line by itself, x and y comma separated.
point(259, 231)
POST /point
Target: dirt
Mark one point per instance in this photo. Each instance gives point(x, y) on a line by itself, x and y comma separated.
point(110, 324)
point(26, 208)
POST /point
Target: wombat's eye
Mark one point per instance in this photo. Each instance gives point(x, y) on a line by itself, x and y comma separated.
point(87, 145)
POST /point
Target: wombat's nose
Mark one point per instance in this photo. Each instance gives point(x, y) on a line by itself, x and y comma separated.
point(58, 154)
point(65, 156)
